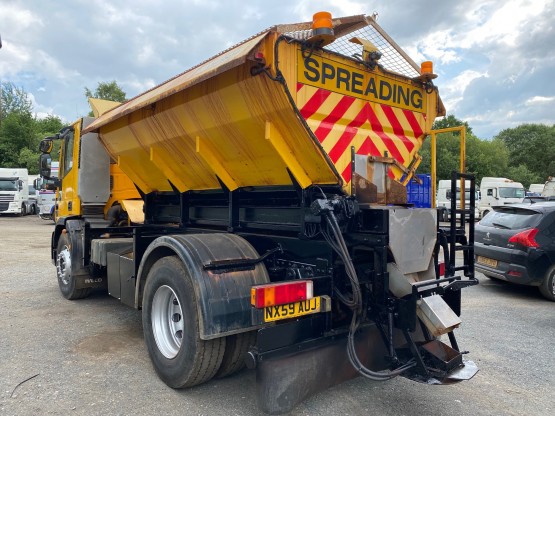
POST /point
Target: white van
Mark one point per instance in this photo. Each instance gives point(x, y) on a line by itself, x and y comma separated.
point(443, 198)
point(497, 191)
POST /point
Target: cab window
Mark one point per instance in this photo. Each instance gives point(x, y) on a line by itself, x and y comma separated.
point(68, 152)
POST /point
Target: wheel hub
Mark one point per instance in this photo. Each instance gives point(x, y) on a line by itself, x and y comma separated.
point(167, 321)
point(63, 266)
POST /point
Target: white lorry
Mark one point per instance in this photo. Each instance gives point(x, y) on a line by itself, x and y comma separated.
point(535, 189)
point(549, 188)
point(497, 191)
point(443, 198)
point(46, 200)
point(14, 191)
point(33, 186)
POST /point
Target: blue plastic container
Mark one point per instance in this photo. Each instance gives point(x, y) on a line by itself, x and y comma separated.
point(420, 195)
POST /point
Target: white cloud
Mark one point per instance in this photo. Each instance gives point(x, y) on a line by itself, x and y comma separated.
point(540, 100)
point(495, 60)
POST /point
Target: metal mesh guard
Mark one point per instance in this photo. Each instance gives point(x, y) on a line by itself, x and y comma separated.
point(393, 58)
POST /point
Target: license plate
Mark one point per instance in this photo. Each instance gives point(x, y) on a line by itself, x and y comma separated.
point(487, 261)
point(291, 310)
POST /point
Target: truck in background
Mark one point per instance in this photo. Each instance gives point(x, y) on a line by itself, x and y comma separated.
point(47, 192)
point(443, 199)
point(33, 186)
point(14, 191)
point(497, 191)
point(535, 189)
point(254, 208)
point(549, 188)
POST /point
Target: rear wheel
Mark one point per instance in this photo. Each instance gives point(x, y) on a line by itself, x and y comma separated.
point(65, 268)
point(547, 288)
point(236, 348)
point(171, 327)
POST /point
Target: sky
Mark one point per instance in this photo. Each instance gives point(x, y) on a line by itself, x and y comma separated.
point(495, 59)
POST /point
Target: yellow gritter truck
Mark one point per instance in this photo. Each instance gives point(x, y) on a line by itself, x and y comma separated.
point(270, 225)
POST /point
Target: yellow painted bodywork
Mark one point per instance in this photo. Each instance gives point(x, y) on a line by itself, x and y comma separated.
point(100, 106)
point(226, 124)
point(122, 189)
point(68, 200)
point(69, 203)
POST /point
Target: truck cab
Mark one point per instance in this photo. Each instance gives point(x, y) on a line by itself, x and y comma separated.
point(89, 184)
point(443, 199)
point(14, 192)
point(497, 191)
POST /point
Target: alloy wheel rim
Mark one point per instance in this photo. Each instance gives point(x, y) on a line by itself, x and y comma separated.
point(64, 265)
point(167, 321)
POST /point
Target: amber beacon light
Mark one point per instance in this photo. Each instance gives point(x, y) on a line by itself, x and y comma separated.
point(322, 28)
point(427, 70)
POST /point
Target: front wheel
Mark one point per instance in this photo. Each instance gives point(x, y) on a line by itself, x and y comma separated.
point(65, 268)
point(171, 327)
point(547, 287)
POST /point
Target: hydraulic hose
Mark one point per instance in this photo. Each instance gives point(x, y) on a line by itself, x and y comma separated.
point(337, 243)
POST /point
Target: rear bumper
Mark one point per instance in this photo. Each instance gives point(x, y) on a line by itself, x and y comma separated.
point(519, 267)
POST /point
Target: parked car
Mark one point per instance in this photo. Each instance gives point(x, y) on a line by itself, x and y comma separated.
point(532, 200)
point(516, 243)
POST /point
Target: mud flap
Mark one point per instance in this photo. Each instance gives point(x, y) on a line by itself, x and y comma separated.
point(282, 382)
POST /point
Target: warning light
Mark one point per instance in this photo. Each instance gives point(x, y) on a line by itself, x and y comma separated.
point(284, 292)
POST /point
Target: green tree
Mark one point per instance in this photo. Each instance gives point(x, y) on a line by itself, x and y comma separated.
point(450, 121)
point(524, 175)
point(28, 159)
point(21, 131)
point(106, 91)
point(486, 158)
point(483, 157)
point(13, 100)
point(531, 145)
point(16, 133)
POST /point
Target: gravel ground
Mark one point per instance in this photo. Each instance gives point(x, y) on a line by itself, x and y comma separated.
point(87, 357)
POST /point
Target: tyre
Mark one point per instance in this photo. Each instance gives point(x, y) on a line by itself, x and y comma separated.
point(171, 327)
point(23, 210)
point(65, 265)
point(236, 348)
point(547, 288)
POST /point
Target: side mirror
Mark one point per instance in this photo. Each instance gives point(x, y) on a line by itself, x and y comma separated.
point(45, 164)
point(20, 185)
point(46, 170)
point(46, 146)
